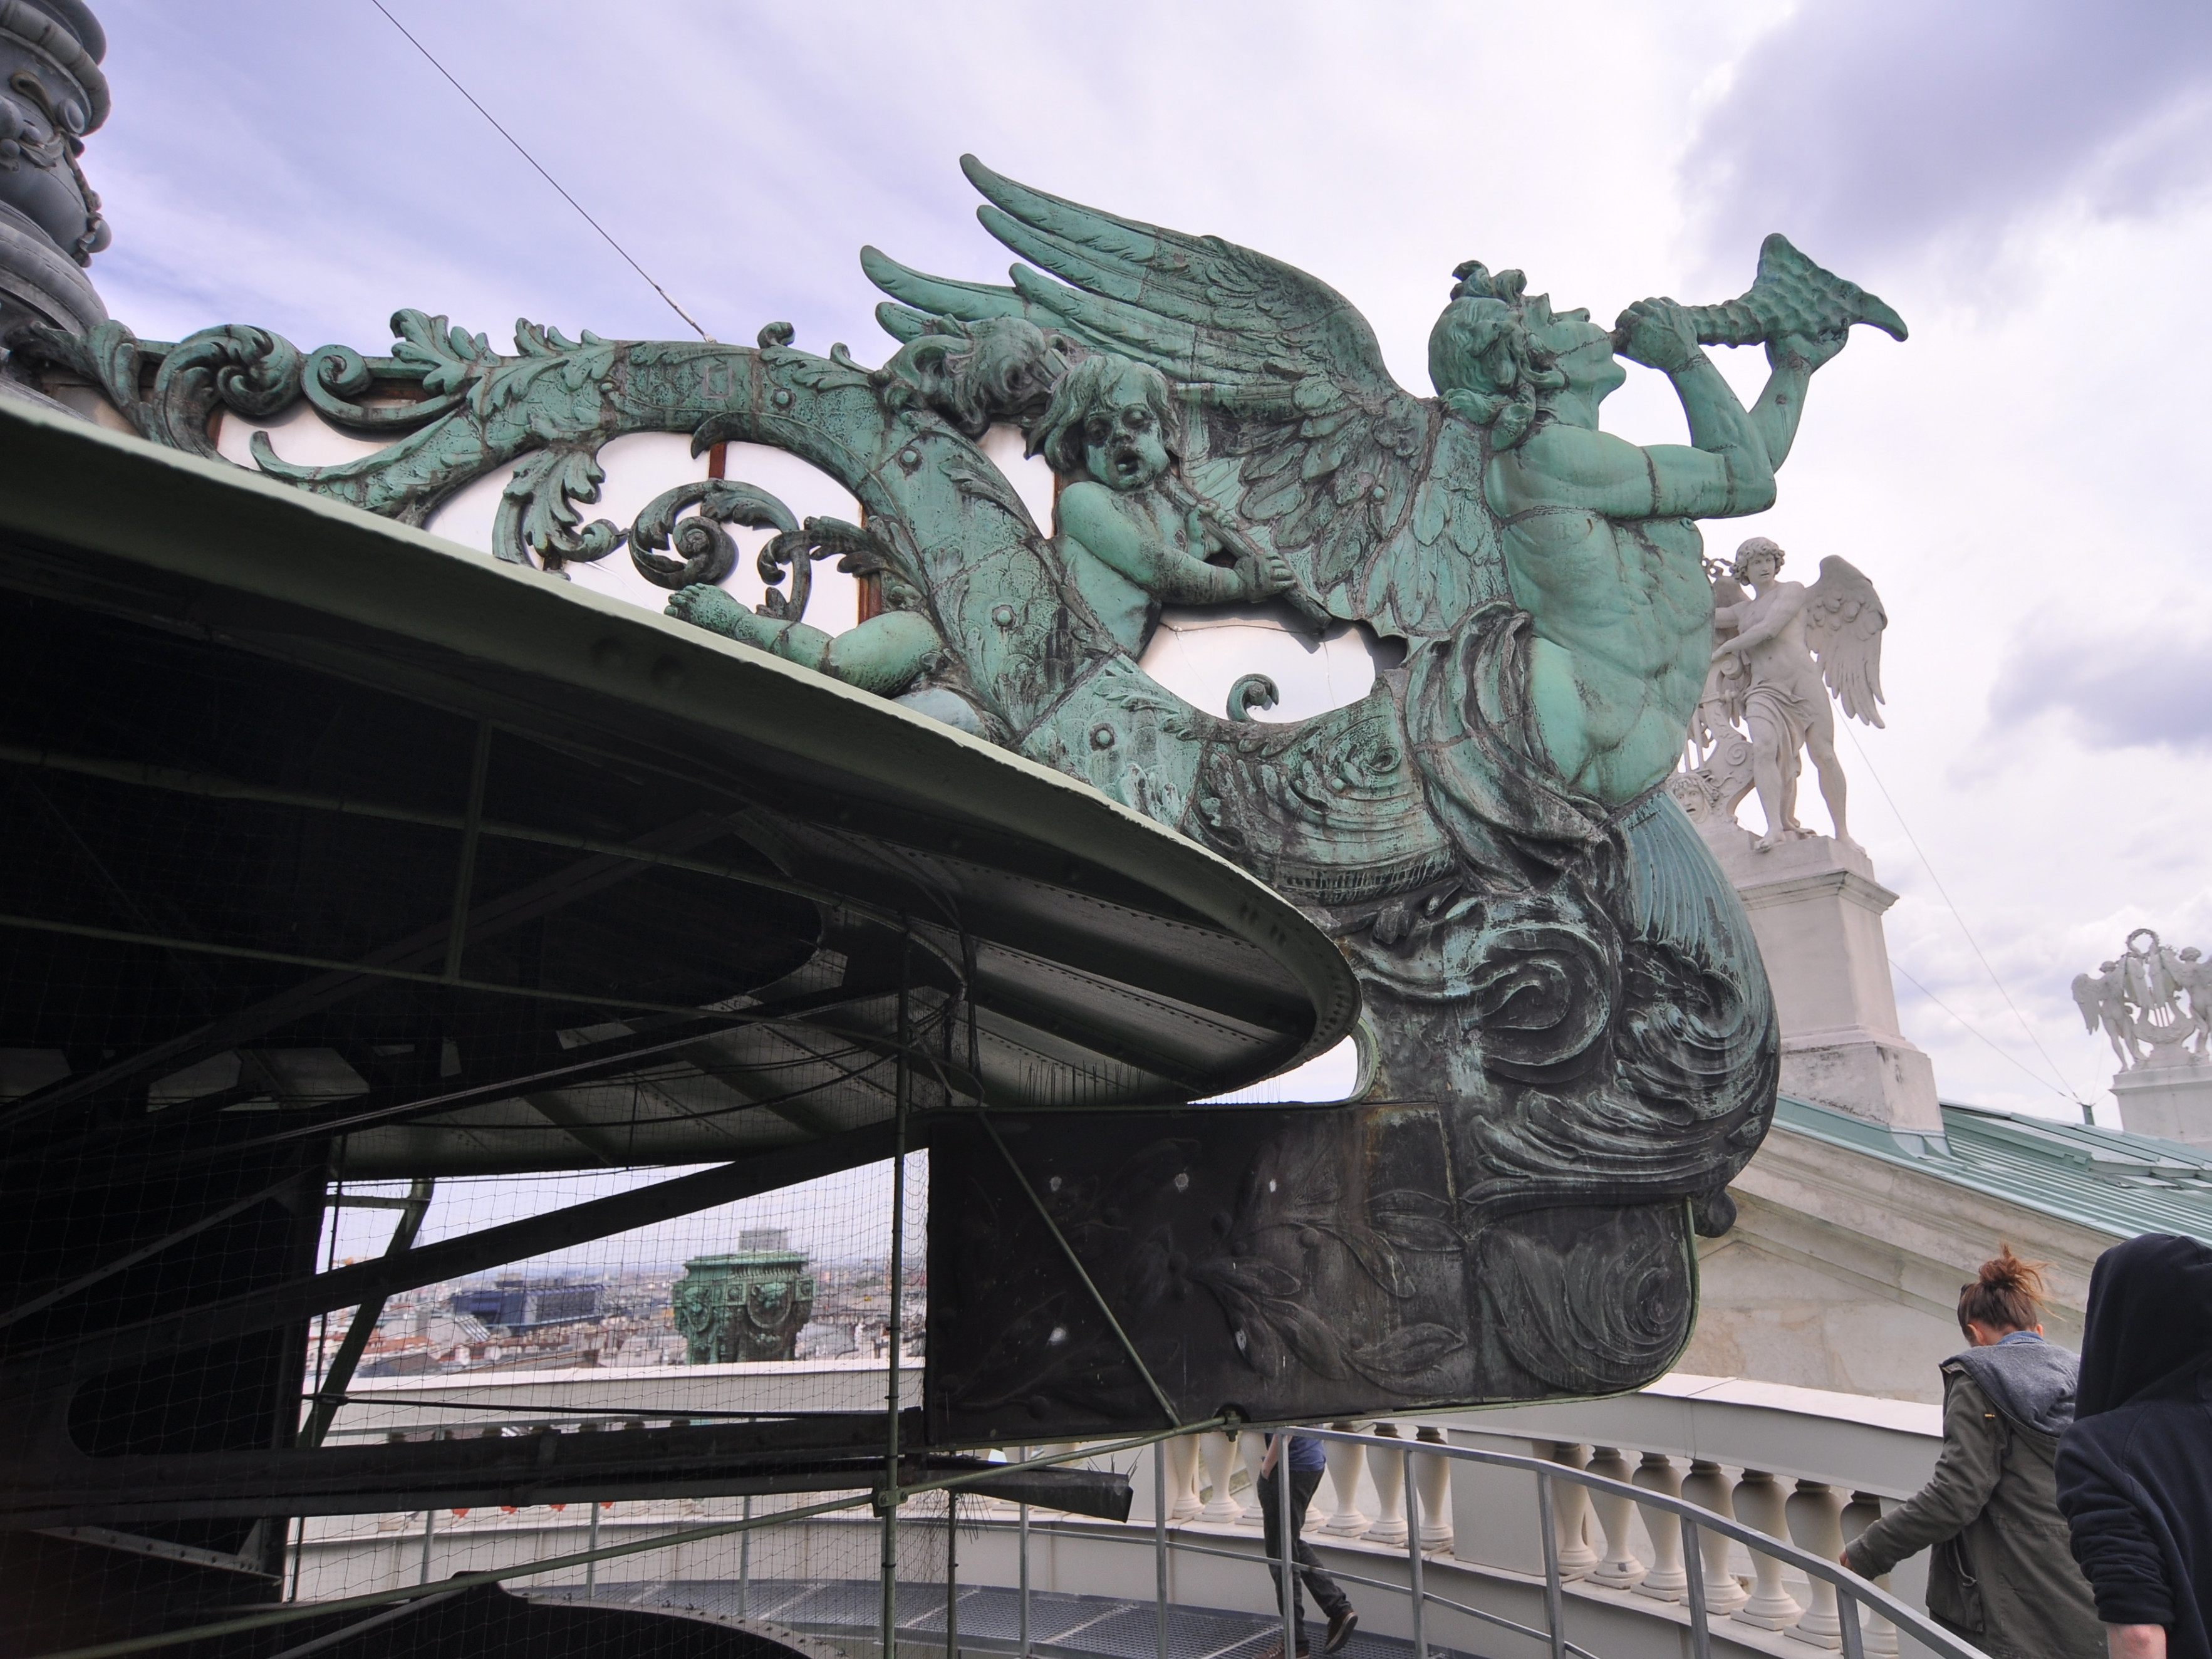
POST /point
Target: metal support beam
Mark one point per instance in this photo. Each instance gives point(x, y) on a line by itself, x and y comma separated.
point(887, 1499)
point(345, 1287)
point(796, 1456)
point(214, 1217)
point(416, 951)
point(465, 867)
point(331, 1392)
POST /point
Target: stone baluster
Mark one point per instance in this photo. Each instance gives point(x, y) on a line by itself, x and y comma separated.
point(1432, 1480)
point(1815, 1515)
point(1760, 1502)
point(1571, 1514)
point(1219, 1455)
point(1667, 1581)
point(1708, 1486)
point(1346, 1460)
point(1182, 1478)
point(1620, 1568)
point(1386, 1466)
point(1252, 1447)
point(1861, 1512)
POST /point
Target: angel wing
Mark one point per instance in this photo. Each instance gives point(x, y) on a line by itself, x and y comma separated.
point(2089, 998)
point(1306, 437)
point(1843, 620)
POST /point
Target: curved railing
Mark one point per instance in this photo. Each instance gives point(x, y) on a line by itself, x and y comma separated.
point(1490, 1579)
point(1851, 1592)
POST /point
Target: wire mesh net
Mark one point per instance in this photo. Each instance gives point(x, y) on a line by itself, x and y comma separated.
point(444, 1106)
point(774, 1309)
point(306, 978)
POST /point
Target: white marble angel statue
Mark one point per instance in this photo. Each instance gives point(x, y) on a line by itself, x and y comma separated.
point(2102, 998)
point(1780, 649)
point(2138, 999)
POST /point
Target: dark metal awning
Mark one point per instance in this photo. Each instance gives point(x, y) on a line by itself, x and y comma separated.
point(319, 827)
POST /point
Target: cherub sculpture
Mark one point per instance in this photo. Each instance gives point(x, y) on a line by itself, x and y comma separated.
point(1779, 650)
point(1132, 535)
point(2194, 974)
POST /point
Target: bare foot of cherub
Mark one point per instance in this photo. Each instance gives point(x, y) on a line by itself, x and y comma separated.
point(712, 609)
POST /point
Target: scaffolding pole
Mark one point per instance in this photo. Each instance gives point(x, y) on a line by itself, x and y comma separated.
point(890, 1497)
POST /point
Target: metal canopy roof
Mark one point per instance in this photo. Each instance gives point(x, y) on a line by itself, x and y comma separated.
point(321, 826)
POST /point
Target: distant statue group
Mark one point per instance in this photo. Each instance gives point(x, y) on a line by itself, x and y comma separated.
point(1780, 649)
point(2155, 1003)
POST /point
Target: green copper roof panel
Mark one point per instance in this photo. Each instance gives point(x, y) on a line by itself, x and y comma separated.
point(2106, 1180)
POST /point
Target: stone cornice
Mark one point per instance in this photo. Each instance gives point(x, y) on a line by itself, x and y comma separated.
point(1924, 1214)
point(1869, 895)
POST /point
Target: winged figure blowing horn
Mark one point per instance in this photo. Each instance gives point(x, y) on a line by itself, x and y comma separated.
point(1411, 513)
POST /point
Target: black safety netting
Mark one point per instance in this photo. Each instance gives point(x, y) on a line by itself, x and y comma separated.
point(308, 983)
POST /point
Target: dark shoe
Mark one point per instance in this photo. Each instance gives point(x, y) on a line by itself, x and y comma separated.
point(1341, 1623)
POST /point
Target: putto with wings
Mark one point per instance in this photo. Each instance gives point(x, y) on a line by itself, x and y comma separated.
point(1569, 1047)
point(1414, 514)
point(1780, 649)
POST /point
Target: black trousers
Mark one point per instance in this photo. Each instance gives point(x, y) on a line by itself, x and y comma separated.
point(1329, 1596)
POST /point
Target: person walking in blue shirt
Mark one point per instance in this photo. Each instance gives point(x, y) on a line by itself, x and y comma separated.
point(1307, 1464)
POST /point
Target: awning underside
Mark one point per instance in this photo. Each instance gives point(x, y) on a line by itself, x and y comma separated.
point(245, 895)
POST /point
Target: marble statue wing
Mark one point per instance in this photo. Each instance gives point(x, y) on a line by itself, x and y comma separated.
point(2089, 998)
point(1843, 620)
point(1308, 440)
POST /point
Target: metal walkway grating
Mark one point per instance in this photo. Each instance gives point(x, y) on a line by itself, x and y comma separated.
point(1062, 1626)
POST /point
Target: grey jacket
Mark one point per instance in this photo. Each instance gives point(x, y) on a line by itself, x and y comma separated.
point(2003, 1574)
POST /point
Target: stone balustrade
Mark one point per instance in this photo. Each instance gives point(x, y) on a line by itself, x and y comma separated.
point(1810, 1467)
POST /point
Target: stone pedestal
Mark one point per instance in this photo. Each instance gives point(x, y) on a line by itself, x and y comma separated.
point(1816, 911)
point(2172, 1099)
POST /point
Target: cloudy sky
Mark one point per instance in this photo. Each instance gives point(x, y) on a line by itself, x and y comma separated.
point(2028, 181)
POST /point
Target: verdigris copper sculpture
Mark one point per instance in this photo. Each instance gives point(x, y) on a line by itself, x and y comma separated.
point(748, 1305)
point(1569, 1047)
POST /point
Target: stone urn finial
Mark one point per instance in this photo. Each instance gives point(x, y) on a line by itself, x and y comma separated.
point(52, 95)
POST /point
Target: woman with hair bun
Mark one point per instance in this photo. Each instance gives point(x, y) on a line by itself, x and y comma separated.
point(2003, 1575)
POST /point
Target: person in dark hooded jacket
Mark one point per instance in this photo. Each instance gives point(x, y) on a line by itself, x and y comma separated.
point(2135, 1472)
point(2001, 1575)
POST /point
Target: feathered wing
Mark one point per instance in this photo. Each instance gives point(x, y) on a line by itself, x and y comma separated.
point(2089, 998)
point(1843, 620)
point(1306, 437)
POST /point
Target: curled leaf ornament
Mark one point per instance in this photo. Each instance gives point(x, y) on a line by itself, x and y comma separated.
point(704, 554)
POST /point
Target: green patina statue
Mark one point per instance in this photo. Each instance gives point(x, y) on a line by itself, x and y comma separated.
point(1569, 1045)
point(747, 1305)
